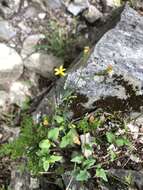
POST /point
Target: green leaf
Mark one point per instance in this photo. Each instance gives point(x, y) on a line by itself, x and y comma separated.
point(96, 124)
point(46, 165)
point(78, 159)
point(53, 134)
point(110, 137)
point(55, 158)
point(89, 163)
point(83, 175)
point(120, 142)
point(59, 119)
point(100, 172)
point(112, 155)
point(68, 139)
point(83, 125)
point(45, 144)
point(127, 142)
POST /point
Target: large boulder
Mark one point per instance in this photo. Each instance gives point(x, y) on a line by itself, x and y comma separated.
point(6, 30)
point(120, 52)
point(11, 65)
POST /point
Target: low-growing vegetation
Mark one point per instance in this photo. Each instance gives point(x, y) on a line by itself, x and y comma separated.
point(86, 147)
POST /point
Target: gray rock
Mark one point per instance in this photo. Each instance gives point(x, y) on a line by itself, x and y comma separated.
point(34, 183)
point(12, 133)
point(120, 89)
point(3, 100)
point(6, 30)
point(77, 6)
point(19, 180)
point(54, 4)
point(122, 49)
point(11, 65)
point(49, 4)
point(43, 64)
point(136, 176)
point(29, 44)
point(18, 93)
point(10, 7)
point(92, 14)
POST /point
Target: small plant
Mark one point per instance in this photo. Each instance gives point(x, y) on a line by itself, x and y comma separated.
point(57, 40)
point(57, 143)
point(129, 179)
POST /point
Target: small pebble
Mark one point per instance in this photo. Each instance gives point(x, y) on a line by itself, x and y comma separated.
point(42, 15)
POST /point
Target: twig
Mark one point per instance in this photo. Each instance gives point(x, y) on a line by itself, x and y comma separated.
point(68, 186)
point(71, 179)
point(46, 173)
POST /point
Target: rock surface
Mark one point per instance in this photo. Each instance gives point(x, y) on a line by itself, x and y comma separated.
point(42, 64)
point(11, 65)
point(6, 30)
point(18, 92)
point(3, 99)
point(29, 44)
point(19, 181)
point(9, 8)
point(136, 176)
point(77, 6)
point(52, 4)
point(120, 52)
point(92, 14)
point(121, 48)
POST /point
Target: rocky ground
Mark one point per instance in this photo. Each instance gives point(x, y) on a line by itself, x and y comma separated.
point(37, 36)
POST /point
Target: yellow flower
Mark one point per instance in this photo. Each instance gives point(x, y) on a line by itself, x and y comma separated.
point(45, 122)
point(60, 71)
point(76, 140)
point(86, 50)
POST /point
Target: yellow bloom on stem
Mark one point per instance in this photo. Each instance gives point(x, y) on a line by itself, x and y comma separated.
point(60, 71)
point(45, 122)
point(86, 50)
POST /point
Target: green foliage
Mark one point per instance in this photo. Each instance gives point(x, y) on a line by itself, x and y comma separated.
point(81, 172)
point(26, 104)
point(78, 159)
point(45, 144)
point(57, 40)
point(33, 144)
point(83, 125)
point(129, 179)
point(68, 139)
point(83, 175)
point(53, 134)
point(119, 141)
point(112, 155)
point(110, 137)
point(101, 173)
